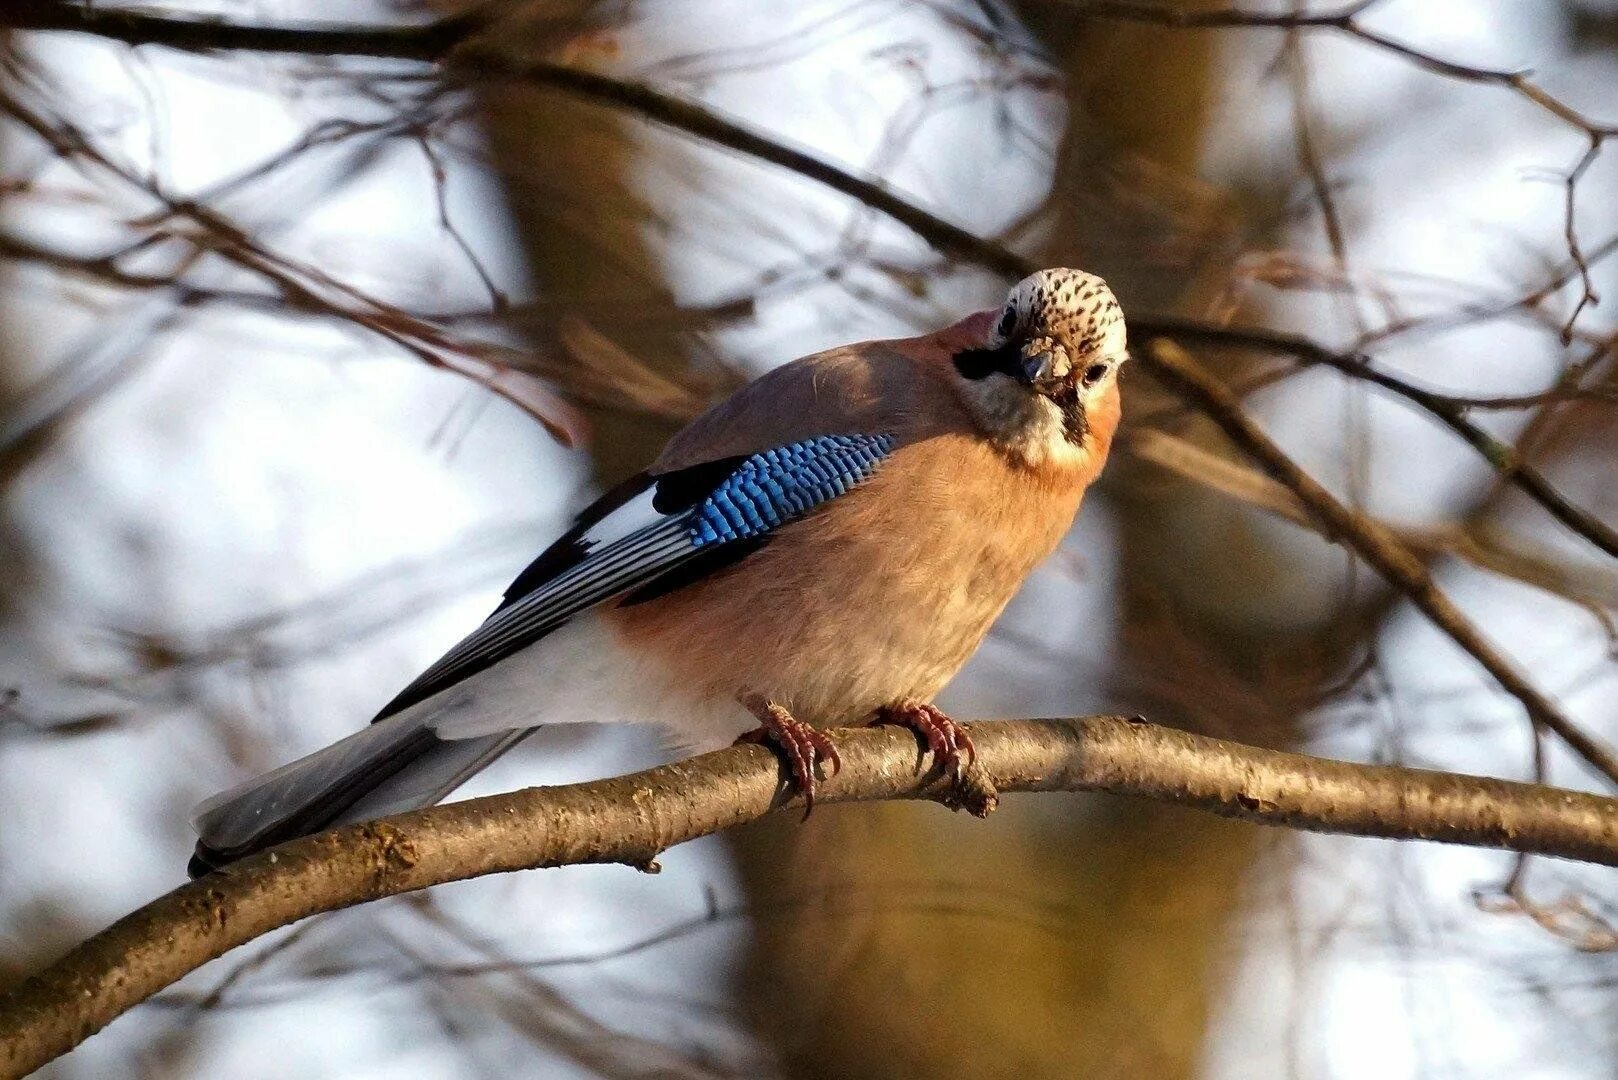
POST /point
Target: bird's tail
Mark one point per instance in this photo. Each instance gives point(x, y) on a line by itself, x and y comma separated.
point(396, 764)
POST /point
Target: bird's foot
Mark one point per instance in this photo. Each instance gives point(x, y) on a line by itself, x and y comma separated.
point(951, 746)
point(803, 745)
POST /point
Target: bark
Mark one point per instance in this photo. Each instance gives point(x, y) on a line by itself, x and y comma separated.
point(633, 819)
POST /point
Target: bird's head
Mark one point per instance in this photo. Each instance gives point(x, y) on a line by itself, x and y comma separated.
point(1045, 380)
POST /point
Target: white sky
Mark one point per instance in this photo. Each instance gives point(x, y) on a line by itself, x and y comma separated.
point(254, 466)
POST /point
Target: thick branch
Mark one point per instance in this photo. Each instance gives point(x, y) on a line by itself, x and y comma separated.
point(632, 819)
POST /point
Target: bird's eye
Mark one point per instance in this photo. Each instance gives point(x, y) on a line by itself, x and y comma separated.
point(1094, 374)
point(1007, 321)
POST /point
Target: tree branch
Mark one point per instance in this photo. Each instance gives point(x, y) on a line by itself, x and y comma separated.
point(458, 44)
point(426, 43)
point(1373, 542)
point(1507, 463)
point(645, 101)
point(633, 819)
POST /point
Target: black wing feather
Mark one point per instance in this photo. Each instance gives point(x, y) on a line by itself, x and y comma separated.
point(569, 550)
point(651, 535)
point(628, 570)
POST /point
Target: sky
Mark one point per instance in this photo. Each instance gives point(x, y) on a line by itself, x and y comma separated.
point(355, 512)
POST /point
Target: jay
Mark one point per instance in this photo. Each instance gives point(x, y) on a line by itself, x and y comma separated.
point(827, 546)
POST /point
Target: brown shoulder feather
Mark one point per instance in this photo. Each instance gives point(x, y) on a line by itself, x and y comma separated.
point(894, 387)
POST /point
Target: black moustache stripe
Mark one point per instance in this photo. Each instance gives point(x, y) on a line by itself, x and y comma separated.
point(978, 364)
point(1075, 424)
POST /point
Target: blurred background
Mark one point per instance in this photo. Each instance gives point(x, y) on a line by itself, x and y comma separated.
point(292, 343)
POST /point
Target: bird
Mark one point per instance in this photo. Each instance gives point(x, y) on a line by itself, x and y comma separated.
point(825, 547)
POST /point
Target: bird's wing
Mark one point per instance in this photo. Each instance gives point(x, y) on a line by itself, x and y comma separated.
point(899, 385)
point(654, 533)
point(830, 392)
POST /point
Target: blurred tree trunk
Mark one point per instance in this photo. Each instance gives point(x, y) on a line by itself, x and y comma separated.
point(901, 942)
point(1079, 943)
point(569, 173)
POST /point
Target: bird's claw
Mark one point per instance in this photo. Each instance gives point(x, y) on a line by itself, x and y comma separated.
point(803, 744)
point(951, 746)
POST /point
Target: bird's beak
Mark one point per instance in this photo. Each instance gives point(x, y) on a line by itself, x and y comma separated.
point(1036, 367)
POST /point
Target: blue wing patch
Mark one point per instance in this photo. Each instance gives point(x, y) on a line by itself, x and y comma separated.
point(655, 534)
point(771, 488)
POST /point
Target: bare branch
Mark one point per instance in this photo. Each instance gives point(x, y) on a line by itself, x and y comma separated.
point(467, 55)
point(1344, 20)
point(457, 44)
point(1448, 411)
point(1374, 543)
point(633, 819)
point(1586, 585)
point(427, 42)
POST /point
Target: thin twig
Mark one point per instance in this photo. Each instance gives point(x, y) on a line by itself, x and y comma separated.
point(1450, 412)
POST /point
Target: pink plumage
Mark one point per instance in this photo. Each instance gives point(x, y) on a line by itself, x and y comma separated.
point(827, 546)
point(888, 591)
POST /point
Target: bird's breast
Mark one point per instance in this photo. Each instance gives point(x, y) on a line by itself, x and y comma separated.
point(881, 594)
